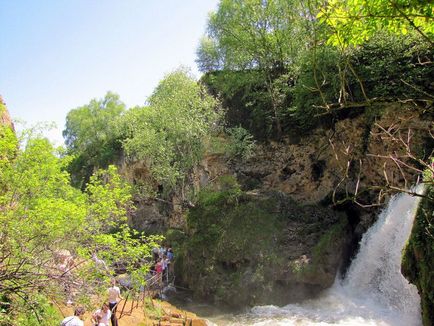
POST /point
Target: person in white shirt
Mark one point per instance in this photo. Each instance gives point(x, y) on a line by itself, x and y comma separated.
point(114, 294)
point(105, 315)
point(75, 320)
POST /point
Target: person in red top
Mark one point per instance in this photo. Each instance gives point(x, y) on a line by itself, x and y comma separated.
point(159, 270)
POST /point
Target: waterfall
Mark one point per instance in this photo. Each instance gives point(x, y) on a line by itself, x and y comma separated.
point(376, 270)
point(372, 293)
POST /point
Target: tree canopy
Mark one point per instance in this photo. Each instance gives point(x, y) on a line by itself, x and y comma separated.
point(90, 137)
point(266, 36)
point(170, 132)
point(252, 34)
point(352, 22)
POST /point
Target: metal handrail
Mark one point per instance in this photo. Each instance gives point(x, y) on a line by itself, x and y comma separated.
point(151, 283)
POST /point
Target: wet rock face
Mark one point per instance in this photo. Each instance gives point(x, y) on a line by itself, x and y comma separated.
point(262, 248)
point(312, 175)
point(418, 256)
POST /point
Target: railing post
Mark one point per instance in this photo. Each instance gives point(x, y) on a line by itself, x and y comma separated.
point(123, 307)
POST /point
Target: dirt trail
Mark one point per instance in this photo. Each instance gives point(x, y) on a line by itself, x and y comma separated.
point(157, 312)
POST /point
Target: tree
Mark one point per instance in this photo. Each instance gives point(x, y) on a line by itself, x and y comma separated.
point(170, 133)
point(397, 33)
point(253, 34)
point(267, 36)
point(45, 221)
point(89, 136)
point(354, 21)
point(371, 28)
point(208, 57)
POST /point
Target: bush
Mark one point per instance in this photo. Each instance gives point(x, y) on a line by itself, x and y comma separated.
point(241, 144)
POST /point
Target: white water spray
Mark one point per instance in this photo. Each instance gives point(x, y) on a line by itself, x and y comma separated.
point(373, 292)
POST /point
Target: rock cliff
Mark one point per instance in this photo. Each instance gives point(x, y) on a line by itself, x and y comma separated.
point(5, 118)
point(293, 222)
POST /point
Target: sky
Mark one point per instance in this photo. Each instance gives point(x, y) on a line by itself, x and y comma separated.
point(56, 55)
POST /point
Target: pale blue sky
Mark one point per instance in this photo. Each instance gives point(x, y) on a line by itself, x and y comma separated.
point(56, 55)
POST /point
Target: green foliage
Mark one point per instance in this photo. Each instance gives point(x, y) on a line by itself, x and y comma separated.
point(43, 312)
point(109, 196)
point(251, 34)
point(241, 144)
point(8, 143)
point(262, 41)
point(208, 58)
point(352, 22)
point(245, 95)
point(43, 216)
point(90, 136)
point(385, 68)
point(332, 236)
point(286, 90)
point(8, 149)
point(390, 68)
point(170, 133)
point(175, 238)
point(428, 173)
point(316, 86)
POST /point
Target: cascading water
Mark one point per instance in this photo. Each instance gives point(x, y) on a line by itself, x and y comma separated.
point(373, 292)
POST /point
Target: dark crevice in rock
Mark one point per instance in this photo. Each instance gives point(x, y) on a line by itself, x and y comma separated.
point(318, 168)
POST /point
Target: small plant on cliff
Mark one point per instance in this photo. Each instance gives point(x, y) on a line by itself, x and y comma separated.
point(241, 143)
point(428, 173)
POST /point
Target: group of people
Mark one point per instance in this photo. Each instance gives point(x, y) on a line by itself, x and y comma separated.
point(163, 262)
point(102, 316)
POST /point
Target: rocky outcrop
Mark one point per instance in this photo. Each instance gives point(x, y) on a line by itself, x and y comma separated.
point(5, 118)
point(294, 223)
point(157, 211)
point(313, 180)
point(250, 248)
point(351, 156)
point(8, 140)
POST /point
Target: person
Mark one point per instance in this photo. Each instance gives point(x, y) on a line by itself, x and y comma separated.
point(155, 254)
point(162, 251)
point(65, 263)
point(98, 321)
point(164, 265)
point(76, 320)
point(170, 263)
point(159, 270)
point(170, 254)
point(105, 315)
point(114, 294)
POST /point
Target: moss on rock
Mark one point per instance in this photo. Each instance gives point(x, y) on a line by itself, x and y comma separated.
point(244, 248)
point(418, 256)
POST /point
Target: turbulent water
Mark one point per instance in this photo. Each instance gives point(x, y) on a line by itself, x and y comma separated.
point(373, 292)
